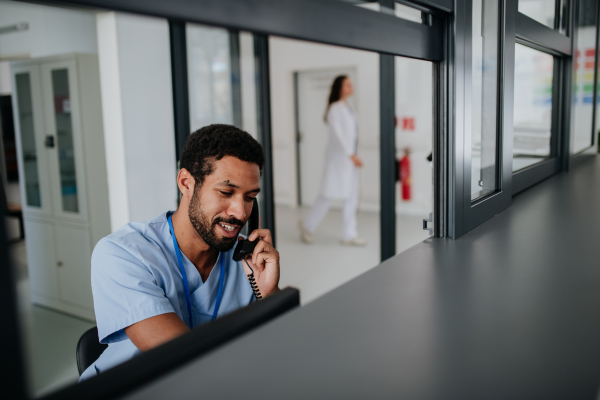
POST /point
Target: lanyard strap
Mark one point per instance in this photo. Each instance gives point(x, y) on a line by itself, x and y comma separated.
point(185, 280)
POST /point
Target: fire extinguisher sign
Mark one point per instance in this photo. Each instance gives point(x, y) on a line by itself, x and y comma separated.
point(408, 123)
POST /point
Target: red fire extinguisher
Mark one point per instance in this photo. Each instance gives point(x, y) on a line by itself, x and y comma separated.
point(405, 180)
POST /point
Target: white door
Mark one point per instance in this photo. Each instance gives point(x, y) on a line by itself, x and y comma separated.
point(74, 266)
point(63, 126)
point(312, 93)
point(28, 115)
point(41, 258)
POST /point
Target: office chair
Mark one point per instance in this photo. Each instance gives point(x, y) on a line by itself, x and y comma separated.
point(89, 349)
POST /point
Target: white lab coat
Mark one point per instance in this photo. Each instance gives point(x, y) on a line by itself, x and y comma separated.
point(340, 173)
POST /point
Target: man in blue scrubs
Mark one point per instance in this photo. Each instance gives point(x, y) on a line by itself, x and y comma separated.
point(154, 281)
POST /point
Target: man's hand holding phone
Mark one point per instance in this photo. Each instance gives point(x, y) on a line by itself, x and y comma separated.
point(264, 260)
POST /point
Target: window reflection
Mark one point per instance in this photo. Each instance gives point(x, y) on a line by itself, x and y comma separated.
point(534, 72)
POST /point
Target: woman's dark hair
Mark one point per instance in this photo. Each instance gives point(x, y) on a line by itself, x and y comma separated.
point(212, 143)
point(334, 94)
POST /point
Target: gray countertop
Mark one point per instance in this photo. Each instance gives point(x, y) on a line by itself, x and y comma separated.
point(509, 311)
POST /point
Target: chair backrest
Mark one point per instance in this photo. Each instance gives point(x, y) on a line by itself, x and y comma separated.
point(89, 349)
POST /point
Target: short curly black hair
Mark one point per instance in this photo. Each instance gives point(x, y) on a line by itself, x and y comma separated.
point(212, 143)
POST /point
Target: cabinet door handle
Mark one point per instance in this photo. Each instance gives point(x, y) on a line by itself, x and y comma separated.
point(49, 142)
point(59, 263)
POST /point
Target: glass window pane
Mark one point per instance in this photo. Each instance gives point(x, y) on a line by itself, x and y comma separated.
point(541, 10)
point(400, 10)
point(597, 123)
point(414, 145)
point(534, 72)
point(209, 76)
point(30, 160)
point(408, 13)
point(484, 98)
point(64, 137)
point(315, 179)
point(583, 86)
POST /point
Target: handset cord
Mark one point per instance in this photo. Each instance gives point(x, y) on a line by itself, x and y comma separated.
point(253, 284)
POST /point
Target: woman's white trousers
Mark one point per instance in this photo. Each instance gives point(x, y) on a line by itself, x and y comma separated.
point(321, 206)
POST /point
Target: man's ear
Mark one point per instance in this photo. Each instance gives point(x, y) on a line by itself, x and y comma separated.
point(186, 183)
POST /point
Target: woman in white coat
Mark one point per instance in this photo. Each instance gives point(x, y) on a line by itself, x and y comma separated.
point(340, 177)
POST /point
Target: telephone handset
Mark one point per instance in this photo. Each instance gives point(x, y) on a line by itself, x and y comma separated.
point(245, 247)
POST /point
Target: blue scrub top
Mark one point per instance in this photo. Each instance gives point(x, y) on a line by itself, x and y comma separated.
point(135, 276)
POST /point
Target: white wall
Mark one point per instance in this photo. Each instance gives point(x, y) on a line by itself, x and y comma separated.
point(135, 74)
point(413, 99)
point(52, 31)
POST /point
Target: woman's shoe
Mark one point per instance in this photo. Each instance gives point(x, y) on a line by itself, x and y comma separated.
point(305, 236)
point(357, 241)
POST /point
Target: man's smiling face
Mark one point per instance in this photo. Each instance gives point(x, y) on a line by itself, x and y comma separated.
point(222, 204)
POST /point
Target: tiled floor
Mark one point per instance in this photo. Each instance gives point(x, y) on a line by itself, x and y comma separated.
point(51, 337)
point(324, 265)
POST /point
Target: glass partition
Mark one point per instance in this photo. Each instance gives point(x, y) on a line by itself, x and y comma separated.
point(542, 11)
point(583, 76)
point(596, 133)
point(327, 204)
point(484, 98)
point(408, 13)
point(209, 76)
point(414, 150)
point(545, 12)
point(533, 88)
point(398, 10)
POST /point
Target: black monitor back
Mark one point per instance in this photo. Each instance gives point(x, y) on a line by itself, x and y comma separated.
point(136, 372)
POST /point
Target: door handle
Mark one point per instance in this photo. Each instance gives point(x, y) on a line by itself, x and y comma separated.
point(49, 142)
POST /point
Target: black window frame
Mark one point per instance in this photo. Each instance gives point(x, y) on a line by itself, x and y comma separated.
point(467, 213)
point(522, 29)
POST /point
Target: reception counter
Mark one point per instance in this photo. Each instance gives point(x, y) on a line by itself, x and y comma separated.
point(509, 311)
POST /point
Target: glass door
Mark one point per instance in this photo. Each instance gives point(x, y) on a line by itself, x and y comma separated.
point(28, 119)
point(63, 139)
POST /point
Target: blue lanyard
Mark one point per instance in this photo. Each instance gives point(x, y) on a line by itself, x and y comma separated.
point(185, 280)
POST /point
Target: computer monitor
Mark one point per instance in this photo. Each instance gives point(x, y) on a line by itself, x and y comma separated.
point(156, 362)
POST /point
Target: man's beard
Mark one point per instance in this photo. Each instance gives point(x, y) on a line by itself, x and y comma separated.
point(205, 229)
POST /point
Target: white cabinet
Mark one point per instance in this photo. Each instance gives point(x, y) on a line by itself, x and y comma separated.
point(44, 280)
point(73, 252)
point(58, 121)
